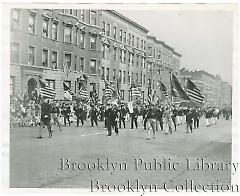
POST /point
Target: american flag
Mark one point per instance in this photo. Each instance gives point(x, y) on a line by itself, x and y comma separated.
point(83, 93)
point(135, 91)
point(46, 91)
point(68, 91)
point(194, 92)
point(149, 94)
point(164, 90)
point(109, 90)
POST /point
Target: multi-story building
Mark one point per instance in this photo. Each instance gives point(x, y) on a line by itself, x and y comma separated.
point(123, 52)
point(67, 45)
point(60, 45)
point(210, 86)
point(162, 61)
point(226, 95)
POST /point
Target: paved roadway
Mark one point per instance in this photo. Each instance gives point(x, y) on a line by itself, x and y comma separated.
point(37, 163)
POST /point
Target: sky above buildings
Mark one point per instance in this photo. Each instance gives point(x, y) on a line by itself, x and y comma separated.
point(204, 38)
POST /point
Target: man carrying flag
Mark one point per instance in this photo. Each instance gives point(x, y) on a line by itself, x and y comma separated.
point(135, 91)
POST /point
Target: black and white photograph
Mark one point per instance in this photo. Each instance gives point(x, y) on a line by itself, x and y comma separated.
point(122, 98)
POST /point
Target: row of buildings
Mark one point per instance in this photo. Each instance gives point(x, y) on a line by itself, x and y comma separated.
point(63, 45)
point(216, 92)
point(69, 45)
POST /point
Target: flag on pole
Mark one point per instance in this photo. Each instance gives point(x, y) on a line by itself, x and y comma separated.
point(194, 92)
point(67, 92)
point(83, 93)
point(94, 95)
point(135, 91)
point(149, 93)
point(177, 90)
point(109, 90)
point(164, 90)
point(46, 91)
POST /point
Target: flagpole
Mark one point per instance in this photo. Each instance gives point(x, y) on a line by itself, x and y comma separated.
point(170, 77)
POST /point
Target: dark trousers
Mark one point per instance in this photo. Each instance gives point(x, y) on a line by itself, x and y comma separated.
point(94, 120)
point(160, 123)
point(174, 122)
point(196, 123)
point(115, 126)
point(122, 120)
point(79, 119)
point(134, 121)
point(144, 122)
point(109, 126)
point(66, 118)
point(189, 126)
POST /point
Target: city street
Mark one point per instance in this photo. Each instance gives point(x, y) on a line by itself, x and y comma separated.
point(37, 162)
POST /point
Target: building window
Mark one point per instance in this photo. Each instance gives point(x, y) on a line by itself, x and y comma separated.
point(124, 56)
point(120, 35)
point(82, 39)
point(141, 78)
point(51, 83)
point(32, 23)
point(31, 55)
point(144, 45)
point(104, 47)
point(129, 78)
point(107, 75)
point(45, 25)
point(137, 42)
point(141, 44)
point(12, 85)
point(15, 52)
point(114, 33)
point(137, 60)
point(108, 30)
point(133, 59)
point(103, 73)
point(125, 37)
point(76, 36)
point(93, 42)
point(68, 34)
point(129, 95)
point(82, 61)
point(133, 41)
point(75, 12)
point(120, 75)
point(93, 17)
point(142, 95)
point(114, 74)
point(103, 28)
point(129, 39)
point(75, 63)
point(67, 60)
point(115, 54)
point(93, 64)
point(15, 19)
point(55, 30)
point(45, 58)
point(144, 79)
point(136, 77)
point(124, 76)
point(122, 94)
point(54, 60)
point(144, 62)
point(82, 15)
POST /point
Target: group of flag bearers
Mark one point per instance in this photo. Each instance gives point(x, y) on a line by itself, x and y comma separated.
point(163, 115)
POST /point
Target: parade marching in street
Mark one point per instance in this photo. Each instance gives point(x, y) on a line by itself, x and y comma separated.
point(41, 109)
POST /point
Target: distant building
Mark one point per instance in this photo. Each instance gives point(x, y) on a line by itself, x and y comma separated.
point(211, 86)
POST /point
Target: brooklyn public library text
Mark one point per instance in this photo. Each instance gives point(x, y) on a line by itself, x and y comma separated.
point(168, 186)
point(139, 164)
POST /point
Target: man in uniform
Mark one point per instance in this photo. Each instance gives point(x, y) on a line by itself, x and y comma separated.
point(122, 118)
point(134, 117)
point(55, 115)
point(45, 118)
point(93, 115)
